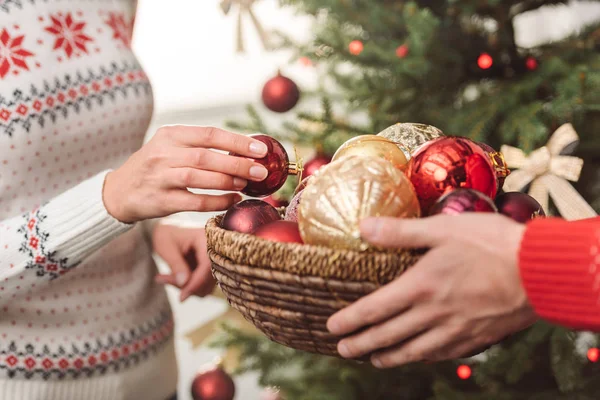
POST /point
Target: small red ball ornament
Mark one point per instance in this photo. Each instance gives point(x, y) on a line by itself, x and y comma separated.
point(485, 61)
point(249, 215)
point(593, 354)
point(402, 51)
point(531, 63)
point(280, 94)
point(277, 164)
point(448, 163)
point(314, 164)
point(461, 201)
point(213, 384)
point(463, 372)
point(280, 231)
point(519, 206)
point(291, 212)
point(356, 47)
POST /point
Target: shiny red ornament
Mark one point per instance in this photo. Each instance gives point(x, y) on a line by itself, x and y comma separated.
point(463, 372)
point(213, 384)
point(402, 51)
point(276, 201)
point(498, 162)
point(314, 164)
point(485, 61)
point(291, 212)
point(280, 94)
point(461, 201)
point(356, 47)
point(593, 354)
point(448, 163)
point(277, 164)
point(531, 63)
point(519, 206)
point(280, 231)
point(249, 215)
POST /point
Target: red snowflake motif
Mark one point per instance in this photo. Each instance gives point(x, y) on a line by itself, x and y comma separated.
point(125, 350)
point(104, 357)
point(84, 90)
point(11, 53)
point(92, 360)
point(47, 363)
point(61, 97)
point(63, 363)
point(33, 242)
point(115, 354)
point(40, 259)
point(72, 93)
point(51, 267)
point(12, 360)
point(37, 105)
point(5, 114)
point(22, 109)
point(50, 101)
point(78, 363)
point(96, 86)
point(122, 30)
point(31, 223)
point(30, 363)
point(69, 34)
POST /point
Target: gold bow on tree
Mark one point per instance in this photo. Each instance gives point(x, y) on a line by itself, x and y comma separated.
point(549, 173)
point(245, 7)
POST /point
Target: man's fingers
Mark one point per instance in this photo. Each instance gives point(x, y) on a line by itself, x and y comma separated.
point(405, 233)
point(215, 138)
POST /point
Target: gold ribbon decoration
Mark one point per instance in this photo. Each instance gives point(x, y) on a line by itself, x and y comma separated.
point(245, 8)
point(549, 173)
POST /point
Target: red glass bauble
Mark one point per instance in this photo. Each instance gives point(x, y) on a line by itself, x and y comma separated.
point(356, 47)
point(498, 162)
point(280, 94)
point(314, 164)
point(448, 163)
point(276, 201)
point(249, 215)
point(291, 212)
point(519, 206)
point(277, 164)
point(214, 384)
point(280, 231)
point(461, 201)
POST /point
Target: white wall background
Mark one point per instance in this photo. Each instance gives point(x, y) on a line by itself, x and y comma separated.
point(188, 50)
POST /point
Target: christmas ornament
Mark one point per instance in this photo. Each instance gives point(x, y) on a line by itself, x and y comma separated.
point(409, 137)
point(280, 94)
point(498, 162)
point(213, 384)
point(314, 164)
point(305, 182)
point(593, 354)
point(280, 231)
point(548, 171)
point(305, 61)
point(372, 146)
point(271, 394)
point(460, 201)
point(355, 47)
point(348, 190)
point(249, 215)
point(531, 63)
point(245, 7)
point(291, 212)
point(276, 201)
point(445, 164)
point(485, 61)
point(277, 164)
point(519, 206)
point(402, 51)
point(463, 372)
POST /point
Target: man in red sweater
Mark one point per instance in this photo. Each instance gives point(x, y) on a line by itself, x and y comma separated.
point(484, 278)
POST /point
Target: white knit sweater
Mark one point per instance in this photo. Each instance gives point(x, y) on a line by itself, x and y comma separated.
point(80, 316)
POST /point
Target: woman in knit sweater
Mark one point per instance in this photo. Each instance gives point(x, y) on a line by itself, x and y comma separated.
point(81, 313)
point(484, 278)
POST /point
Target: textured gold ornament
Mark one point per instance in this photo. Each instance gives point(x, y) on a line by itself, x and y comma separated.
point(409, 136)
point(373, 146)
point(348, 190)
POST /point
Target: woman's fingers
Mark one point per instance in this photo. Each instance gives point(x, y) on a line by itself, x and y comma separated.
point(202, 282)
point(200, 179)
point(183, 200)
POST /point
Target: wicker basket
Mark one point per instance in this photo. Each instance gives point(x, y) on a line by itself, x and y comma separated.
point(288, 291)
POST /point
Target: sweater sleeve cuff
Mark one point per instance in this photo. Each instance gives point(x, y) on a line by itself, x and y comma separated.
point(560, 270)
point(79, 222)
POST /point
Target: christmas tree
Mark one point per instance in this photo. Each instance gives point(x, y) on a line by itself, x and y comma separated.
point(454, 65)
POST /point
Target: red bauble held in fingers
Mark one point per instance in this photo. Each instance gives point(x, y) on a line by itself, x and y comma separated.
point(449, 163)
point(213, 384)
point(280, 231)
point(277, 164)
point(249, 215)
point(280, 94)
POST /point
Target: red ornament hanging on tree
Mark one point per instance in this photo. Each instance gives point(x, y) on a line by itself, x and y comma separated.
point(593, 354)
point(355, 47)
point(448, 163)
point(277, 164)
point(461, 201)
point(519, 206)
point(531, 63)
point(314, 164)
point(280, 94)
point(402, 51)
point(463, 372)
point(280, 231)
point(213, 384)
point(249, 215)
point(485, 61)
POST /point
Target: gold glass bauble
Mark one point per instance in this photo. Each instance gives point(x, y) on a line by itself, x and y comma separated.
point(373, 146)
point(348, 190)
point(409, 136)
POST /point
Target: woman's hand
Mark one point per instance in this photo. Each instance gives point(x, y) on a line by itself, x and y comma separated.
point(465, 293)
point(153, 182)
point(184, 250)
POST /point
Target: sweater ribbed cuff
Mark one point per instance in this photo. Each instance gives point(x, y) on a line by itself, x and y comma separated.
point(560, 272)
point(79, 222)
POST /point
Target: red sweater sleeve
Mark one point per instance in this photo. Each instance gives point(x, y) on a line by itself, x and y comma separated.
point(560, 269)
